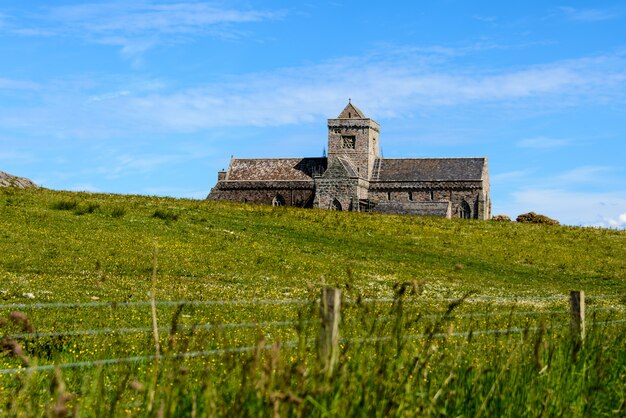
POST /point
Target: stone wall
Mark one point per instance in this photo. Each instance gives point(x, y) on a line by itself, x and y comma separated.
point(484, 208)
point(336, 186)
point(295, 193)
point(438, 209)
point(456, 193)
point(328, 192)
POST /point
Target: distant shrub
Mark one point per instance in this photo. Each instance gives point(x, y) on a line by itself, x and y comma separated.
point(118, 211)
point(65, 205)
point(535, 218)
point(165, 215)
point(501, 218)
point(90, 207)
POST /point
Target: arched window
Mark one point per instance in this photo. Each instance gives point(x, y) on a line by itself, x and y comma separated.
point(464, 211)
point(388, 195)
point(336, 205)
point(411, 196)
point(278, 200)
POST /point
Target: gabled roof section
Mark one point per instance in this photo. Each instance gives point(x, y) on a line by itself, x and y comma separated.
point(275, 169)
point(351, 112)
point(430, 169)
point(348, 166)
point(340, 168)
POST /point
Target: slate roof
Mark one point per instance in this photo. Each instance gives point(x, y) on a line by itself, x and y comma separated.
point(275, 169)
point(428, 169)
point(348, 166)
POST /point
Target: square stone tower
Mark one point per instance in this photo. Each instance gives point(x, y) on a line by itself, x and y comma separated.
point(354, 137)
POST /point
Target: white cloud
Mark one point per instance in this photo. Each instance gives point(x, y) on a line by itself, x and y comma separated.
point(85, 187)
point(569, 207)
point(586, 174)
point(293, 95)
point(136, 26)
point(15, 156)
point(589, 15)
point(150, 17)
point(619, 222)
point(386, 84)
point(127, 164)
point(176, 192)
point(108, 96)
point(510, 176)
point(11, 84)
point(542, 142)
point(580, 177)
point(485, 19)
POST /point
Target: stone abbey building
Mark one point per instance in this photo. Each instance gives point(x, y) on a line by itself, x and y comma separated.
point(355, 177)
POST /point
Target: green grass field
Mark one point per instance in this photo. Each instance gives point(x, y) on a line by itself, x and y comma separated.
point(411, 354)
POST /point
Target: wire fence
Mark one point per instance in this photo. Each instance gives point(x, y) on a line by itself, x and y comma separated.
point(291, 343)
point(416, 300)
point(53, 305)
point(112, 331)
point(287, 344)
point(267, 324)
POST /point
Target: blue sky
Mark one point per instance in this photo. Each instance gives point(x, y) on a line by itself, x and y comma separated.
point(153, 97)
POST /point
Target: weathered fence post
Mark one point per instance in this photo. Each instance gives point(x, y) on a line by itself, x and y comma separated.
point(577, 305)
point(330, 307)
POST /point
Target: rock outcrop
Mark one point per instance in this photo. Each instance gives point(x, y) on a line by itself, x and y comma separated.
point(7, 180)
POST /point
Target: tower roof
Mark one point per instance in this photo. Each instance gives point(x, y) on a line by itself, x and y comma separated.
point(351, 112)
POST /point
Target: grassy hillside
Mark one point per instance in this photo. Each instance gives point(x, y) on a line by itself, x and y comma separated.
point(60, 245)
point(414, 355)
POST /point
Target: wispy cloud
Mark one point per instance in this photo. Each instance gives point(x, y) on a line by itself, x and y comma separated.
point(385, 83)
point(126, 164)
point(542, 142)
point(510, 176)
point(11, 84)
point(15, 156)
point(589, 15)
point(108, 96)
point(135, 26)
point(84, 187)
point(151, 17)
point(485, 19)
point(570, 207)
point(586, 174)
point(566, 196)
point(578, 177)
point(389, 88)
point(617, 222)
point(176, 191)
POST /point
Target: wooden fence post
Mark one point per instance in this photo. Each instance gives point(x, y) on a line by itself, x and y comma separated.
point(330, 307)
point(577, 305)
